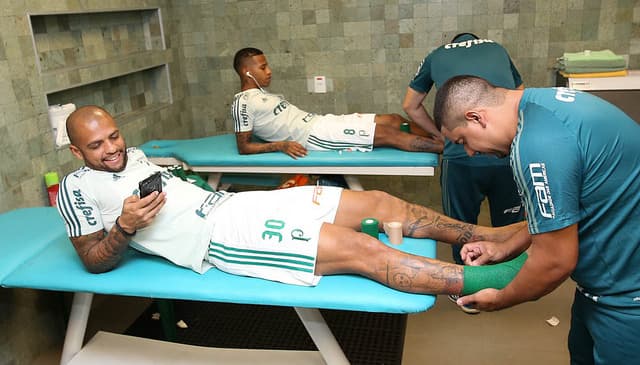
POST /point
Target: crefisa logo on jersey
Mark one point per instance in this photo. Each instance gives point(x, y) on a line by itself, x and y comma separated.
point(538, 173)
point(244, 115)
point(86, 210)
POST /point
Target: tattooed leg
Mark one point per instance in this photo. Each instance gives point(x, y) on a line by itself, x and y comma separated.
point(421, 275)
point(343, 250)
point(418, 221)
point(424, 222)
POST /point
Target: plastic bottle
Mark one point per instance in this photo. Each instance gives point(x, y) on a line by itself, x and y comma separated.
point(52, 182)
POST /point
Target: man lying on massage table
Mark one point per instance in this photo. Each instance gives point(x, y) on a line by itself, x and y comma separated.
point(292, 131)
point(293, 236)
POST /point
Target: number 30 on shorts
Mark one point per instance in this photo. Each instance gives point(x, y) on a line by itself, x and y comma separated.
point(273, 225)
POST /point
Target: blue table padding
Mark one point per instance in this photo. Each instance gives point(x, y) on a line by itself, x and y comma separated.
point(221, 150)
point(36, 253)
point(40, 226)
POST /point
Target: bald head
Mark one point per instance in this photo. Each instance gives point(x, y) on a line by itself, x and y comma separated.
point(460, 94)
point(78, 121)
point(96, 139)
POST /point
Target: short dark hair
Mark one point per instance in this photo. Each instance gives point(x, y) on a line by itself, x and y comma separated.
point(461, 34)
point(460, 93)
point(242, 55)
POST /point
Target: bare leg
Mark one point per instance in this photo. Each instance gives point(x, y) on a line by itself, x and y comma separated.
point(343, 250)
point(417, 221)
point(395, 120)
point(390, 136)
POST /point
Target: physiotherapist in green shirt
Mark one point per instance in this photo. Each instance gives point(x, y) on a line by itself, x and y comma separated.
point(466, 181)
point(576, 160)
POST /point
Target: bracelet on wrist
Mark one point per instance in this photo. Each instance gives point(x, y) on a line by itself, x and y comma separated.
point(121, 230)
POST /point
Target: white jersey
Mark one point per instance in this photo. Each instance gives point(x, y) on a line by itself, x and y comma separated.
point(270, 117)
point(91, 200)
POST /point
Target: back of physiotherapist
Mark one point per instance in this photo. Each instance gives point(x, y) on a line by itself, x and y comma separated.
point(465, 180)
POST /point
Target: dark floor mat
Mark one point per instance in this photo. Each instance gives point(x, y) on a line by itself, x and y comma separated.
point(366, 338)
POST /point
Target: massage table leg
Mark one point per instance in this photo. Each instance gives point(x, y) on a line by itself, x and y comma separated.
point(167, 318)
point(214, 179)
point(77, 326)
point(321, 335)
point(311, 319)
point(353, 182)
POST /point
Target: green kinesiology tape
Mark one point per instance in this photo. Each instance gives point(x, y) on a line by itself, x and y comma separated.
point(495, 276)
point(370, 227)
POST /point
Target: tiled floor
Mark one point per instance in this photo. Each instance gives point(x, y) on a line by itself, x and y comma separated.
point(520, 335)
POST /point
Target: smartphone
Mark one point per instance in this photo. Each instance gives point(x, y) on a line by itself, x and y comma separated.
point(150, 184)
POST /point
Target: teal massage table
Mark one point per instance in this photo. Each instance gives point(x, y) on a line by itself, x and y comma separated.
point(37, 254)
point(219, 154)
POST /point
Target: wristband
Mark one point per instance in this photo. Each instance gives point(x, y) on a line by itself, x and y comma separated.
point(124, 233)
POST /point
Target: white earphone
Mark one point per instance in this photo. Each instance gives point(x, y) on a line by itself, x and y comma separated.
point(254, 80)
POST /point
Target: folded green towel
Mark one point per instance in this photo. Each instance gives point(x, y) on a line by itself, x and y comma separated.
point(604, 58)
point(582, 70)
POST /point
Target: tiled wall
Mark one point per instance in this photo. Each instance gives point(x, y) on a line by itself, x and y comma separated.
point(90, 53)
point(369, 49)
point(120, 95)
point(86, 58)
point(76, 39)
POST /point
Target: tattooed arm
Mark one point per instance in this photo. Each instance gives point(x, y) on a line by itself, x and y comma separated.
point(246, 146)
point(100, 252)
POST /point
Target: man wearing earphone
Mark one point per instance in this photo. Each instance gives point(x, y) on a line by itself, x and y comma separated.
point(286, 128)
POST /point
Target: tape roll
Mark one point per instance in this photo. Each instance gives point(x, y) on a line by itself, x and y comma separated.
point(370, 227)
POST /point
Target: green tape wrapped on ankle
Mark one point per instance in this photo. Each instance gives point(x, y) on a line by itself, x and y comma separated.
point(495, 276)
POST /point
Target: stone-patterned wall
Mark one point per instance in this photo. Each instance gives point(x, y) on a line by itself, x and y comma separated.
point(121, 95)
point(371, 49)
point(75, 39)
point(82, 52)
point(85, 58)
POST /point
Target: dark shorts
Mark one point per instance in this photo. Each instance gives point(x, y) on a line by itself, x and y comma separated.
point(603, 335)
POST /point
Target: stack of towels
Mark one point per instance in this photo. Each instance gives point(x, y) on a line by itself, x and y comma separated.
point(58, 118)
point(592, 64)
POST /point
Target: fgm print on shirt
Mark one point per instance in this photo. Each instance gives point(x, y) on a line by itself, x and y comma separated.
point(540, 181)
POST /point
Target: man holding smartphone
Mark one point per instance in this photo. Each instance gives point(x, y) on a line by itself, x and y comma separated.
point(293, 235)
point(150, 184)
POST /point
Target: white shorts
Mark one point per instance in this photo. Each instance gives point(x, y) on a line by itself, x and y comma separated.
point(272, 234)
point(342, 132)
